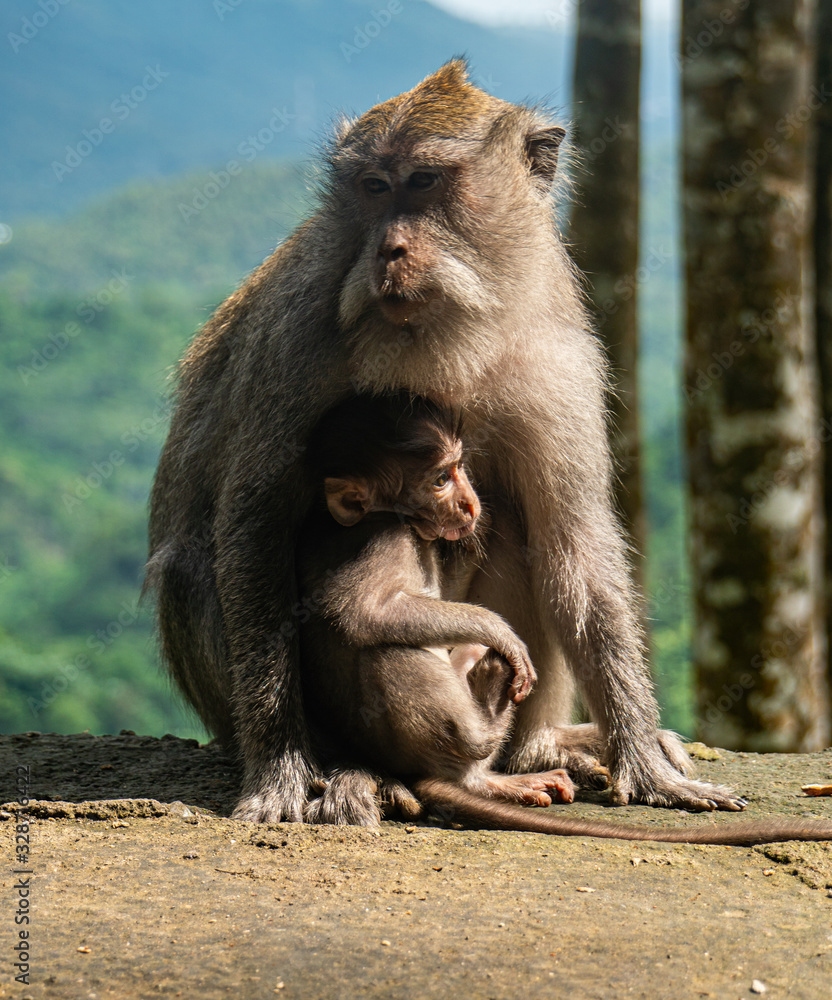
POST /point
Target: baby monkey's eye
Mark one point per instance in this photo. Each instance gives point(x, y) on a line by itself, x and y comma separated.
point(375, 185)
point(441, 480)
point(423, 180)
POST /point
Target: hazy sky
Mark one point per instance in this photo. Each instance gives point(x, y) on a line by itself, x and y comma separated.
point(532, 11)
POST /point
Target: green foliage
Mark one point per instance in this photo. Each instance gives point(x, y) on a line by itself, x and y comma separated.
point(192, 235)
point(83, 415)
point(667, 572)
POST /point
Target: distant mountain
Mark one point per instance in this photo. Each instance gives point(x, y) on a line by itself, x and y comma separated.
point(96, 93)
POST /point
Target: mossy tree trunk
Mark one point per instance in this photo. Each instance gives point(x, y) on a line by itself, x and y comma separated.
point(754, 431)
point(823, 271)
point(605, 219)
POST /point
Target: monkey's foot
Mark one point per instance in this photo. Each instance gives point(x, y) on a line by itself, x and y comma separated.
point(276, 799)
point(540, 789)
point(576, 749)
point(268, 807)
point(348, 798)
point(398, 800)
point(660, 784)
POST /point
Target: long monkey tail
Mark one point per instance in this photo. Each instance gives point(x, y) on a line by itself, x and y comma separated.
point(454, 802)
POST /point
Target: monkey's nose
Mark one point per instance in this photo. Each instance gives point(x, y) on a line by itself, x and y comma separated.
point(391, 251)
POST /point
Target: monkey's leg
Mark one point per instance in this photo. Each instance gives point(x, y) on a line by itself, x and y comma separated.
point(396, 799)
point(539, 789)
point(257, 588)
point(596, 611)
point(191, 631)
point(489, 678)
point(542, 738)
point(272, 735)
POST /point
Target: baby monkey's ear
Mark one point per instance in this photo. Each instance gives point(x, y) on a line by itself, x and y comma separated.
point(348, 500)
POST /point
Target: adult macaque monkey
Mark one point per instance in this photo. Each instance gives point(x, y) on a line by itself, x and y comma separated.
point(433, 266)
point(397, 674)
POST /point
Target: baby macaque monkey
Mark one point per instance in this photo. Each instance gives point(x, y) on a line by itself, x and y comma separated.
point(400, 678)
point(397, 674)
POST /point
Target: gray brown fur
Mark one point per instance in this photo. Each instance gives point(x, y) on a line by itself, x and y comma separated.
point(464, 294)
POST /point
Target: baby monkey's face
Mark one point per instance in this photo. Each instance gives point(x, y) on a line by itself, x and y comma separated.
point(433, 494)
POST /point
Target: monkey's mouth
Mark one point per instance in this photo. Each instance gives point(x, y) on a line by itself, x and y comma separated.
point(399, 307)
point(430, 531)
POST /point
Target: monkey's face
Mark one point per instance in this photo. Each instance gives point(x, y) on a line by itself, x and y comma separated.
point(439, 201)
point(438, 500)
point(444, 504)
point(415, 267)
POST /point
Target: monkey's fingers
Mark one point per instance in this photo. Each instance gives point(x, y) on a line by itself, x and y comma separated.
point(524, 679)
point(349, 798)
point(520, 688)
point(559, 785)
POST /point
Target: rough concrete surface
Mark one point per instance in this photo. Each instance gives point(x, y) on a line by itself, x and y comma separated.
point(142, 887)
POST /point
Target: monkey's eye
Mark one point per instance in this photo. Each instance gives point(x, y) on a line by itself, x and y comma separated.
point(423, 180)
point(441, 480)
point(375, 185)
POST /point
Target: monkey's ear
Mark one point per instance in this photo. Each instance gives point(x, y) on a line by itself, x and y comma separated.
point(348, 500)
point(542, 148)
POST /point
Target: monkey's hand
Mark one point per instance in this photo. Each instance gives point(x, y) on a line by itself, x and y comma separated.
point(514, 651)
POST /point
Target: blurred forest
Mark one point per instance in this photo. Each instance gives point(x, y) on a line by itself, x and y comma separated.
point(103, 283)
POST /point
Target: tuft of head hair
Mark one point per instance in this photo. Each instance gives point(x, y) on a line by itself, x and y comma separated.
point(445, 105)
point(359, 436)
